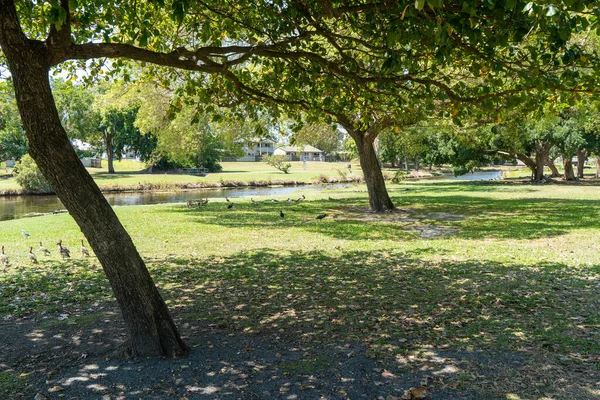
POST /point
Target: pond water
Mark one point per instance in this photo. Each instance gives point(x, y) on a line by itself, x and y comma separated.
point(478, 176)
point(12, 207)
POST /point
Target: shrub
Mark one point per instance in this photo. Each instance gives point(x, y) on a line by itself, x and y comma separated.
point(278, 161)
point(400, 176)
point(28, 175)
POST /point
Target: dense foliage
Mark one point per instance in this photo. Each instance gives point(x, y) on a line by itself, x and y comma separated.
point(28, 175)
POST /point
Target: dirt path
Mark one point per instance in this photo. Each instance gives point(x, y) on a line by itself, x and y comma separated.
point(70, 362)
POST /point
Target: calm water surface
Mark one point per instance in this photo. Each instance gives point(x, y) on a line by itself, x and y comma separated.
point(12, 207)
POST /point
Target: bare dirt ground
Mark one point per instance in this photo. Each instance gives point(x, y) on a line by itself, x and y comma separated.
point(79, 362)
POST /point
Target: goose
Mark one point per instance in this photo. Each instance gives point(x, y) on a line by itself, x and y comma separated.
point(281, 214)
point(63, 251)
point(226, 199)
point(25, 234)
point(32, 256)
point(84, 249)
point(4, 259)
point(321, 216)
point(230, 205)
point(288, 200)
point(43, 249)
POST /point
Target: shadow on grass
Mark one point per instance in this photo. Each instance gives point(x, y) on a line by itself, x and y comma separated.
point(395, 305)
point(349, 219)
point(391, 300)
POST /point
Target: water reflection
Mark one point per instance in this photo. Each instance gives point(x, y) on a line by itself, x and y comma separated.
point(13, 207)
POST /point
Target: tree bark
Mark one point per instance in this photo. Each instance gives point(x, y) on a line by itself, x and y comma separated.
point(149, 324)
point(597, 166)
point(550, 163)
point(379, 200)
point(581, 157)
point(110, 154)
point(568, 164)
point(537, 174)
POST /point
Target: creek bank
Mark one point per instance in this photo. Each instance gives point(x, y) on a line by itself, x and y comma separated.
point(181, 186)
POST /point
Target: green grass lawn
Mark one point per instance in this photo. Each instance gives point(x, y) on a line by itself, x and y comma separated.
point(130, 173)
point(518, 269)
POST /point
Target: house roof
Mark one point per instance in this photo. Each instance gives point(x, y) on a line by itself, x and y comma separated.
point(297, 149)
point(254, 140)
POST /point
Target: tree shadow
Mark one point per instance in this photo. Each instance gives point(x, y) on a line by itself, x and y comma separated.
point(270, 324)
point(454, 216)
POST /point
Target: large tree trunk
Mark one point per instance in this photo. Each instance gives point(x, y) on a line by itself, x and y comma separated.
point(581, 157)
point(379, 200)
point(568, 164)
point(149, 324)
point(550, 163)
point(597, 166)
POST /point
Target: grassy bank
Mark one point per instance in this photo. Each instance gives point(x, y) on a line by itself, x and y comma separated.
point(459, 266)
point(131, 175)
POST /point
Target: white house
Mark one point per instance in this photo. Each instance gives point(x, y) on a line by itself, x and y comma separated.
point(304, 153)
point(255, 148)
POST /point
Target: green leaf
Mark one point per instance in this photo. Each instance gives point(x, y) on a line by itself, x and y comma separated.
point(419, 4)
point(552, 10)
point(179, 9)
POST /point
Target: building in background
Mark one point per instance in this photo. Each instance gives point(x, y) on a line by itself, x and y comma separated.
point(297, 153)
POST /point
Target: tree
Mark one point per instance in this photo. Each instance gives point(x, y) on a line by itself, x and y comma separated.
point(74, 102)
point(322, 136)
point(569, 139)
point(13, 143)
point(366, 66)
point(278, 161)
point(370, 66)
point(150, 326)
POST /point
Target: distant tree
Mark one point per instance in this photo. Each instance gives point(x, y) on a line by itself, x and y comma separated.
point(323, 136)
point(279, 162)
point(569, 139)
point(13, 142)
point(74, 102)
point(117, 131)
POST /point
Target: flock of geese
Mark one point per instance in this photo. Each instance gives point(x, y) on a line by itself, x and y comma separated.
point(63, 251)
point(203, 202)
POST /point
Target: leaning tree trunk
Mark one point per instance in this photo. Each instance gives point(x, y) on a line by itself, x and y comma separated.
point(568, 164)
point(550, 163)
point(537, 173)
point(149, 324)
point(581, 157)
point(379, 200)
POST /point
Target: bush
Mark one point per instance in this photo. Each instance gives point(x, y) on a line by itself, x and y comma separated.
point(399, 176)
point(278, 161)
point(28, 175)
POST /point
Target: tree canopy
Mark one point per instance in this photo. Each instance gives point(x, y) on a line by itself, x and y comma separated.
point(364, 65)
